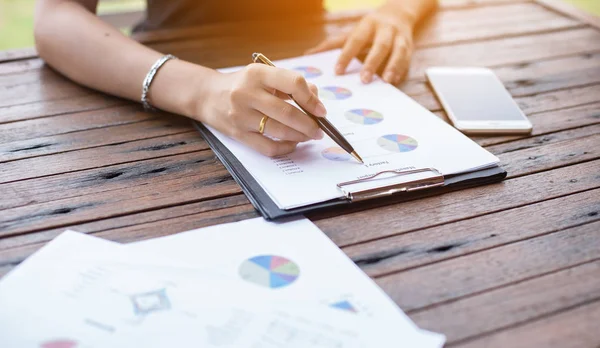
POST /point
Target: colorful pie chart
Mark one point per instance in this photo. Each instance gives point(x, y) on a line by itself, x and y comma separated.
point(270, 271)
point(334, 93)
point(336, 154)
point(364, 116)
point(309, 71)
point(397, 143)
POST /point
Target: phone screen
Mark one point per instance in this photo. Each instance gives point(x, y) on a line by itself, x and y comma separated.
point(474, 95)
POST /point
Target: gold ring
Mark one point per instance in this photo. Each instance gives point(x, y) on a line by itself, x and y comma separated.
point(263, 122)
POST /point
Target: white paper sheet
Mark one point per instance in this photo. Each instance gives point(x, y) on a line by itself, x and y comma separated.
point(80, 291)
point(322, 274)
point(386, 127)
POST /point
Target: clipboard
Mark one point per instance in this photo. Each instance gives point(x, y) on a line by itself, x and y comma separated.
point(436, 183)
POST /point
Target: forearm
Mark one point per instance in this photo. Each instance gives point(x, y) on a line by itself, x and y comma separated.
point(74, 41)
point(413, 11)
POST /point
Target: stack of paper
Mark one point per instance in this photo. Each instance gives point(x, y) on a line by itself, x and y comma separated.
point(250, 284)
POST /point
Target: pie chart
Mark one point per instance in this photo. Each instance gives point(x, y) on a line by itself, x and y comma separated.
point(334, 93)
point(397, 143)
point(270, 271)
point(309, 71)
point(364, 116)
point(336, 154)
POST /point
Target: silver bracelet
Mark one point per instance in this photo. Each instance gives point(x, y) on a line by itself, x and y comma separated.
point(150, 77)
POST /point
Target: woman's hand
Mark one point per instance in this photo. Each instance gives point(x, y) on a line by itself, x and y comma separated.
point(235, 103)
point(389, 33)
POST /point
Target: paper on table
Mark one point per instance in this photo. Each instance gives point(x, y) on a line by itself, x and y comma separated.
point(312, 268)
point(387, 128)
point(80, 291)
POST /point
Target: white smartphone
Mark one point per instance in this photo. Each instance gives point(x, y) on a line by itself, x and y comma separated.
point(476, 101)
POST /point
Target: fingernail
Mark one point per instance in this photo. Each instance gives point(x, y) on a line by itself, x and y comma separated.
point(339, 69)
point(366, 76)
point(320, 110)
point(389, 77)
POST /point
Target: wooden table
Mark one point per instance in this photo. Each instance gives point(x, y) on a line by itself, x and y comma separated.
point(514, 264)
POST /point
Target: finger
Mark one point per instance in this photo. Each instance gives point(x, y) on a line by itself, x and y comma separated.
point(394, 68)
point(266, 146)
point(355, 43)
point(314, 89)
point(287, 114)
point(405, 67)
point(328, 44)
point(291, 82)
point(382, 44)
point(273, 128)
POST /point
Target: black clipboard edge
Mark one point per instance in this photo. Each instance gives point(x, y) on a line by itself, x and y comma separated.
point(270, 211)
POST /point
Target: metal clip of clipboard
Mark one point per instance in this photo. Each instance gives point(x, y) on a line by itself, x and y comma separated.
point(419, 184)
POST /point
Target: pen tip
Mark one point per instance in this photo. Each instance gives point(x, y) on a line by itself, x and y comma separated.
point(355, 155)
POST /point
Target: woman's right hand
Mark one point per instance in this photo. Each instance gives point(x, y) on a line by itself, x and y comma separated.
point(235, 103)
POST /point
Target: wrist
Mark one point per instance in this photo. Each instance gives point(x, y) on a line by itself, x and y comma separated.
point(410, 12)
point(178, 86)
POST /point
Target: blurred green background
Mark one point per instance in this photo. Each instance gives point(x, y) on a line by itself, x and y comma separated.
point(16, 16)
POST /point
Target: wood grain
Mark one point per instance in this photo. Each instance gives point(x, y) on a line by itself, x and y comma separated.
point(17, 54)
point(509, 306)
point(95, 137)
point(569, 10)
point(365, 225)
point(42, 108)
point(576, 328)
point(133, 227)
point(434, 244)
point(530, 79)
point(453, 279)
point(550, 122)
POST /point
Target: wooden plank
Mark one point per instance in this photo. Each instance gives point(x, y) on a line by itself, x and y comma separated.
point(488, 22)
point(205, 213)
point(365, 225)
point(533, 78)
point(438, 283)
point(95, 137)
point(568, 9)
point(450, 240)
point(513, 305)
point(43, 108)
point(576, 328)
point(48, 126)
point(536, 102)
point(21, 66)
point(518, 50)
point(17, 54)
point(209, 180)
point(532, 158)
point(40, 84)
point(550, 122)
point(96, 157)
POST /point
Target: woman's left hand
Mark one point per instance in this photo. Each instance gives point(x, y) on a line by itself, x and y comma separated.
point(389, 32)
